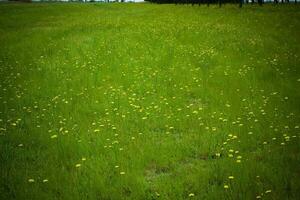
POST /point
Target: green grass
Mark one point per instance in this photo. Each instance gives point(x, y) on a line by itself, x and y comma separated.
point(178, 98)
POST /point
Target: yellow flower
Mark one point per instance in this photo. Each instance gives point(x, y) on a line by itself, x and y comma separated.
point(78, 165)
point(226, 186)
point(122, 173)
point(53, 136)
point(31, 180)
point(191, 195)
point(231, 177)
point(45, 180)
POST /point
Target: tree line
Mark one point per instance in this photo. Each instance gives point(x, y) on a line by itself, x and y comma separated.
point(219, 2)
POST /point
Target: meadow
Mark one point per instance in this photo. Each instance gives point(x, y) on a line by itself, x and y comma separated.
point(145, 101)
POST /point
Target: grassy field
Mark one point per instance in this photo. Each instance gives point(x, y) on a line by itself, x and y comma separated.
point(144, 101)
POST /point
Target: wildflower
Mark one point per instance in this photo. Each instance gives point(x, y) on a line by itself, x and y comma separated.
point(31, 180)
point(226, 186)
point(45, 180)
point(191, 195)
point(231, 177)
point(122, 173)
point(78, 165)
point(53, 136)
point(268, 191)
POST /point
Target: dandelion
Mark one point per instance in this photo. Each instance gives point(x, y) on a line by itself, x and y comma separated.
point(122, 173)
point(226, 186)
point(31, 180)
point(230, 177)
point(78, 165)
point(53, 136)
point(191, 195)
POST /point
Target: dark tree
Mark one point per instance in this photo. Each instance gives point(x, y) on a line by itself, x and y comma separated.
point(241, 3)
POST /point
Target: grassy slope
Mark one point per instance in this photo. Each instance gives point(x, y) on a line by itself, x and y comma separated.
point(155, 91)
